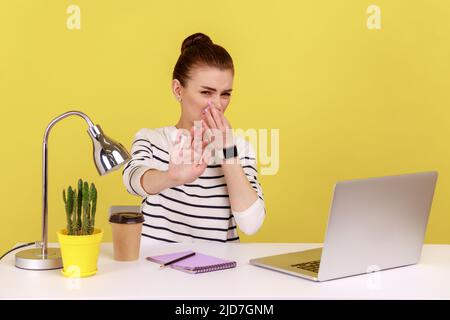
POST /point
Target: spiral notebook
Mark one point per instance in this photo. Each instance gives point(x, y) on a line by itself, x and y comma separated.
point(196, 264)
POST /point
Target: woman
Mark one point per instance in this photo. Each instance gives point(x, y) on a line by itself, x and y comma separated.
point(205, 200)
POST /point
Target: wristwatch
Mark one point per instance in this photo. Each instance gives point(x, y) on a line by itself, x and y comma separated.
point(230, 152)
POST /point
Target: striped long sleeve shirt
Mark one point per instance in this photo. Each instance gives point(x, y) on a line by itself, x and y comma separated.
point(193, 212)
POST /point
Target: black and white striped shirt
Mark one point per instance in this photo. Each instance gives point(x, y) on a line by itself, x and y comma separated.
point(194, 212)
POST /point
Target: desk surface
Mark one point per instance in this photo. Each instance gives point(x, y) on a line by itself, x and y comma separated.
point(430, 279)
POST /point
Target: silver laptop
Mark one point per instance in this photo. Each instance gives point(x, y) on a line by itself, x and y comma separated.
point(374, 224)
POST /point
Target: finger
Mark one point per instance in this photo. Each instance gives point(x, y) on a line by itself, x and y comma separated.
point(206, 156)
point(217, 118)
point(226, 122)
point(178, 145)
point(215, 115)
point(177, 137)
point(198, 137)
point(207, 107)
point(209, 149)
point(190, 144)
point(179, 141)
point(195, 145)
point(228, 130)
point(198, 129)
point(197, 157)
point(191, 131)
point(204, 122)
point(192, 154)
point(210, 119)
point(207, 132)
point(176, 152)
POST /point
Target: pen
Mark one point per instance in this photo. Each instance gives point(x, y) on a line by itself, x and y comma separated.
point(177, 259)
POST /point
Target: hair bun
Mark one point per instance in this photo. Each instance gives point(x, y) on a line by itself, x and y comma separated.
point(195, 39)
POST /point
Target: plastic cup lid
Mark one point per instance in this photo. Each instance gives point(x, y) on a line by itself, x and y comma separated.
point(126, 218)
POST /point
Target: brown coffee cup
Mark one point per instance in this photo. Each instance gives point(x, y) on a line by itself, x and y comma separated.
point(126, 233)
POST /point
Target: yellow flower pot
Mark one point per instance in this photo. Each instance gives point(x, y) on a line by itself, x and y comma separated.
point(80, 253)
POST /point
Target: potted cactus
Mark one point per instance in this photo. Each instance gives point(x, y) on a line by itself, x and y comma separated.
point(80, 240)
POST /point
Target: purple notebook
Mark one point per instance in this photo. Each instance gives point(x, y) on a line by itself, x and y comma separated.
point(196, 264)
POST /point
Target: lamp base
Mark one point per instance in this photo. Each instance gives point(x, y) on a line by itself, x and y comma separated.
point(32, 259)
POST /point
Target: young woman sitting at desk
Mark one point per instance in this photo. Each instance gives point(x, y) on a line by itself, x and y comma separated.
point(197, 200)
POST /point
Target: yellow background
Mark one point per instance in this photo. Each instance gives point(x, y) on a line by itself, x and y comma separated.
point(349, 102)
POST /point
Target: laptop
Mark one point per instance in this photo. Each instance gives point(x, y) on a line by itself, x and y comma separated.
point(374, 224)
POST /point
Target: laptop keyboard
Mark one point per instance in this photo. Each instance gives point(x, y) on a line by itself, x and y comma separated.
point(312, 266)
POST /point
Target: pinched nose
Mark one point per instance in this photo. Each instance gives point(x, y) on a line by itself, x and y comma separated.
point(219, 107)
point(211, 104)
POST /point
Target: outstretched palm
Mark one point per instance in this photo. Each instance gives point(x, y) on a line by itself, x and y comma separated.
point(188, 160)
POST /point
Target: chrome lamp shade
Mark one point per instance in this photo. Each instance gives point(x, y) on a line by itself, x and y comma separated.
point(109, 155)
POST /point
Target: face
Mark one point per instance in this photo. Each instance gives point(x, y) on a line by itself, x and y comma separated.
point(205, 84)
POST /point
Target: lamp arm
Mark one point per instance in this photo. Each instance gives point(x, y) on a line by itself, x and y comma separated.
point(44, 172)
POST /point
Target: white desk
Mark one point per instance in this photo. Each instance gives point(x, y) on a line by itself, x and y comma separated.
point(144, 280)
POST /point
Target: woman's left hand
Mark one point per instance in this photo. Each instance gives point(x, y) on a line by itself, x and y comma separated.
point(215, 119)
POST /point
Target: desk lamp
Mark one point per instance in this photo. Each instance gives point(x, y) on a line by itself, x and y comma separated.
point(109, 155)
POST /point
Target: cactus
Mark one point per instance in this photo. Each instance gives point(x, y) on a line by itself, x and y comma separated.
point(67, 213)
point(79, 203)
point(93, 200)
point(68, 201)
point(85, 224)
point(81, 206)
point(74, 215)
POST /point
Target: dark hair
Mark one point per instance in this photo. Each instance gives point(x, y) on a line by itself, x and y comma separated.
point(199, 50)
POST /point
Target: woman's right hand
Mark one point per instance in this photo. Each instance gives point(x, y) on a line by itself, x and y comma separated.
point(188, 160)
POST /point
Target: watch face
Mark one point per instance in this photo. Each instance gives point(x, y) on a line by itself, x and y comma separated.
point(230, 152)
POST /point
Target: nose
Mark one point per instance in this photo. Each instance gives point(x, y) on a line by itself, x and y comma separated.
point(217, 103)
